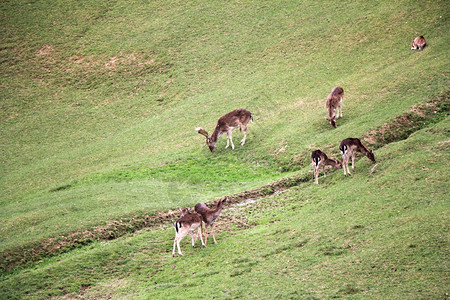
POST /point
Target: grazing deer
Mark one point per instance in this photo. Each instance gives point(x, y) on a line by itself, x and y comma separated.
point(185, 225)
point(418, 43)
point(349, 147)
point(225, 124)
point(320, 159)
point(209, 216)
point(334, 105)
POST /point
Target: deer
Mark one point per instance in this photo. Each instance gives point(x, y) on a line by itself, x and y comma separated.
point(418, 43)
point(226, 123)
point(320, 159)
point(334, 105)
point(209, 216)
point(186, 225)
point(348, 148)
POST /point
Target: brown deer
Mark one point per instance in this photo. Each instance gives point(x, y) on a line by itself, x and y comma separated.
point(334, 105)
point(320, 159)
point(349, 147)
point(418, 43)
point(225, 124)
point(185, 225)
point(209, 216)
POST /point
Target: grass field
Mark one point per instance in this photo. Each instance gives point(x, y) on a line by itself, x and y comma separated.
point(98, 107)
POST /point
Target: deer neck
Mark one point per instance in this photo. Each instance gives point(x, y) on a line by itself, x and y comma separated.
point(363, 149)
point(218, 209)
point(330, 162)
point(215, 135)
point(331, 111)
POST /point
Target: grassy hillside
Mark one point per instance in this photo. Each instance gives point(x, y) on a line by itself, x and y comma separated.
point(343, 238)
point(98, 107)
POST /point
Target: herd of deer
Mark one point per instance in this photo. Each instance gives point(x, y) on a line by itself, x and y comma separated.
point(192, 221)
point(240, 118)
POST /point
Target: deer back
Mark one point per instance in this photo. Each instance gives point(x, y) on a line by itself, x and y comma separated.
point(233, 119)
point(203, 210)
point(337, 92)
point(418, 42)
point(188, 220)
point(351, 145)
point(317, 156)
point(335, 97)
point(209, 215)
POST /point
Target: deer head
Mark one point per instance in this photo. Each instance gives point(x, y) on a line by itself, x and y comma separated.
point(332, 121)
point(371, 156)
point(219, 203)
point(209, 142)
point(338, 164)
point(184, 211)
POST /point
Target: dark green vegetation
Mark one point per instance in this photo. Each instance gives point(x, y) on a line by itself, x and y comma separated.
point(99, 102)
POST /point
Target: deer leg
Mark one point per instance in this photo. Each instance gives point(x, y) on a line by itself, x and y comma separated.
point(245, 135)
point(212, 231)
point(344, 162)
point(314, 169)
point(195, 236)
point(206, 234)
point(177, 241)
point(348, 170)
point(179, 237)
point(201, 233)
point(179, 250)
point(353, 161)
point(231, 140)
point(193, 239)
point(316, 174)
point(174, 245)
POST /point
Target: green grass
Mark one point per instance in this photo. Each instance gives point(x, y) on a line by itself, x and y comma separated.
point(98, 105)
point(338, 239)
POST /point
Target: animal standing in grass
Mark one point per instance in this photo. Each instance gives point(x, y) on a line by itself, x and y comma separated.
point(418, 43)
point(349, 147)
point(334, 105)
point(185, 225)
point(321, 160)
point(237, 118)
point(209, 216)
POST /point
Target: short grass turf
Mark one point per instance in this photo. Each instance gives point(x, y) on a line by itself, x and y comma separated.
point(379, 233)
point(99, 102)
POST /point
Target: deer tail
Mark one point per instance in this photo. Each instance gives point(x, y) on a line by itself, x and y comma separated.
point(177, 226)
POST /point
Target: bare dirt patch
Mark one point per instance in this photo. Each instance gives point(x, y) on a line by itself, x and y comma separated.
point(418, 117)
point(45, 50)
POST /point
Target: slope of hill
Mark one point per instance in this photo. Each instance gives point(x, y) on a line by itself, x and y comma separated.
point(99, 102)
